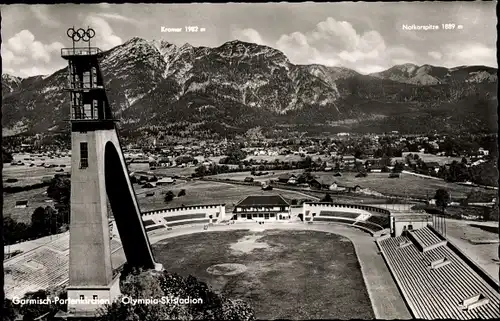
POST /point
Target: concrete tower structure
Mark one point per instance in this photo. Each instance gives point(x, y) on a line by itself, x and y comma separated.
point(98, 173)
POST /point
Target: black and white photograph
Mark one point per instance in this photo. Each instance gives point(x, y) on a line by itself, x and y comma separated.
point(250, 161)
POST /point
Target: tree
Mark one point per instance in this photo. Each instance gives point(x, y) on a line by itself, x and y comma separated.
point(234, 155)
point(10, 310)
point(60, 189)
point(306, 163)
point(144, 284)
point(32, 311)
point(6, 156)
point(442, 198)
point(169, 196)
point(385, 161)
point(486, 215)
point(184, 159)
point(182, 192)
point(398, 167)
point(45, 221)
point(38, 221)
point(14, 231)
point(201, 171)
point(327, 199)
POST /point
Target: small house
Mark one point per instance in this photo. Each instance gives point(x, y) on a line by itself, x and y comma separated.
point(165, 181)
point(432, 166)
point(325, 182)
point(47, 179)
point(356, 188)
point(349, 159)
point(21, 204)
point(284, 178)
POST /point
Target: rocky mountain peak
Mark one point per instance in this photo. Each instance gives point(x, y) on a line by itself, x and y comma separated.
point(230, 88)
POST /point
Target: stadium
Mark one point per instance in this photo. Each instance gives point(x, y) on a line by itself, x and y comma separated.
point(315, 260)
point(366, 261)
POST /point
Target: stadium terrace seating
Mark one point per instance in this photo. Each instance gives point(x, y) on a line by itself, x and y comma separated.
point(438, 284)
point(21, 277)
point(426, 239)
point(155, 227)
point(339, 214)
point(372, 227)
point(61, 244)
point(333, 220)
point(115, 245)
point(363, 217)
point(148, 222)
point(383, 221)
point(189, 222)
point(184, 217)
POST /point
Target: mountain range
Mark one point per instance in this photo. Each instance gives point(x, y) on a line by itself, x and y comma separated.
point(159, 89)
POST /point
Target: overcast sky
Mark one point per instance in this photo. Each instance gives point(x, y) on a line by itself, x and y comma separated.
point(367, 37)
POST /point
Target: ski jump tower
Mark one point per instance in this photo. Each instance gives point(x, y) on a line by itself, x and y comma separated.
point(98, 174)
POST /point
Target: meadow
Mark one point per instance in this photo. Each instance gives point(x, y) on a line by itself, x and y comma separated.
point(203, 192)
point(161, 171)
point(272, 174)
point(35, 198)
point(281, 158)
point(406, 184)
point(283, 274)
point(430, 158)
point(27, 175)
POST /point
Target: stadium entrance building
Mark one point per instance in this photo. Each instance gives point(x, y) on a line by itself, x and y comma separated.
point(262, 207)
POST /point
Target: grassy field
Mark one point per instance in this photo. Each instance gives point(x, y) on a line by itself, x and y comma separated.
point(35, 199)
point(162, 171)
point(240, 176)
point(431, 158)
point(281, 158)
point(414, 186)
point(202, 192)
point(289, 274)
point(31, 175)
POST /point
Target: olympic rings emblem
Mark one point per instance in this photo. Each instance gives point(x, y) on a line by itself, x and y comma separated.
point(81, 34)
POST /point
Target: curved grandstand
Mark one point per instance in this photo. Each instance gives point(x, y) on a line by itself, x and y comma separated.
point(372, 219)
point(420, 274)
